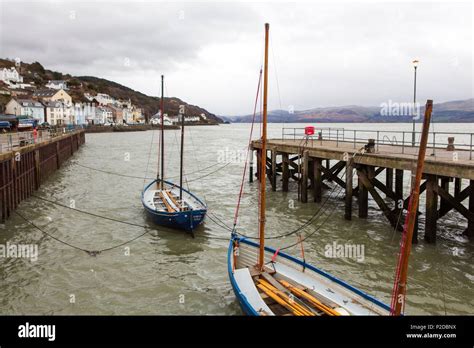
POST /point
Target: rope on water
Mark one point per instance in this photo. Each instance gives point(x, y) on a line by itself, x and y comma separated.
point(90, 252)
point(96, 252)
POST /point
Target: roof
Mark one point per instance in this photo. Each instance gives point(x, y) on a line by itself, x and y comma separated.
point(29, 103)
point(53, 104)
point(45, 92)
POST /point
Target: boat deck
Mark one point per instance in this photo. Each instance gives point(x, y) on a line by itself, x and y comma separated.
point(168, 201)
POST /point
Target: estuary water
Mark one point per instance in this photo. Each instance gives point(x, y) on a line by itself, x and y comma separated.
point(168, 272)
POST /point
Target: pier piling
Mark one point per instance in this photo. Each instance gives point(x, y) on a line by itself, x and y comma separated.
point(320, 164)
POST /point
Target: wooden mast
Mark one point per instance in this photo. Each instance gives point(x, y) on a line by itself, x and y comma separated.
point(262, 169)
point(400, 286)
point(181, 160)
point(162, 109)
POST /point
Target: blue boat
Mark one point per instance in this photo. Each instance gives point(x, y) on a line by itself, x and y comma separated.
point(165, 207)
point(168, 204)
point(314, 291)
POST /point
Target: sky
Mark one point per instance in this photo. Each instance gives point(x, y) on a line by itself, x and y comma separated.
point(321, 53)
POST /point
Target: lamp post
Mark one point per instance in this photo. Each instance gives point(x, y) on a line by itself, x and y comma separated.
point(415, 65)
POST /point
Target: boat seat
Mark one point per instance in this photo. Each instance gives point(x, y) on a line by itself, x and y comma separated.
point(247, 288)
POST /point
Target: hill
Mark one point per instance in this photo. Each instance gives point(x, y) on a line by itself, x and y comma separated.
point(452, 111)
point(37, 75)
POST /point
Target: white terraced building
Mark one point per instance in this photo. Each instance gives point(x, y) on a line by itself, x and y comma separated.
point(10, 75)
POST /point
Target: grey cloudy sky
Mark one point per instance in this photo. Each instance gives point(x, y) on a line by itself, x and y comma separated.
point(322, 53)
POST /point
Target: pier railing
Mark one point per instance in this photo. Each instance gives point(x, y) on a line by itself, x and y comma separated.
point(13, 140)
point(401, 139)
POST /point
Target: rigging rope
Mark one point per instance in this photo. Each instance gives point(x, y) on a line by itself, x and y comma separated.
point(236, 215)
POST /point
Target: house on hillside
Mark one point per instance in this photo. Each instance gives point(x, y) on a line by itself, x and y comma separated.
point(127, 115)
point(57, 84)
point(46, 95)
point(10, 75)
point(167, 120)
point(26, 107)
point(103, 115)
point(137, 115)
point(85, 113)
point(104, 99)
point(59, 113)
point(117, 114)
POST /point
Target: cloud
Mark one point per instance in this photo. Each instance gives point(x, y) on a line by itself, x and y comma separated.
point(322, 54)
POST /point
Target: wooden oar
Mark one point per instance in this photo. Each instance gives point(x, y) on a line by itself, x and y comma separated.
point(318, 304)
point(279, 300)
point(170, 195)
point(274, 283)
point(165, 201)
point(286, 298)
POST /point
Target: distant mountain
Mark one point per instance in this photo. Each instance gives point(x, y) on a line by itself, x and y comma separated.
point(452, 111)
point(38, 76)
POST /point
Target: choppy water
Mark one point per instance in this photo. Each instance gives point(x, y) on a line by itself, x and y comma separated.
point(171, 273)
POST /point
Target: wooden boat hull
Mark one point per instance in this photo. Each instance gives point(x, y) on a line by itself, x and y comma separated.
point(316, 279)
point(180, 220)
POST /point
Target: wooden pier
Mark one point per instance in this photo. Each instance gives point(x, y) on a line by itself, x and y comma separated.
point(379, 167)
point(23, 169)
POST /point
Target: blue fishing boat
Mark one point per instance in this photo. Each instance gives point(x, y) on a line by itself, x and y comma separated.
point(168, 204)
point(165, 207)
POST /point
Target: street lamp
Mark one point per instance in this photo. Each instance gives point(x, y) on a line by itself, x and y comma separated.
point(415, 66)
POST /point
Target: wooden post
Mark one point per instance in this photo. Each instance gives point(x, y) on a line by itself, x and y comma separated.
point(349, 178)
point(318, 182)
point(58, 159)
point(328, 166)
point(304, 179)
point(457, 186)
point(259, 161)
point(389, 178)
point(470, 224)
point(37, 169)
point(398, 189)
point(363, 195)
point(274, 170)
point(3, 190)
point(285, 171)
point(431, 208)
point(251, 164)
point(445, 185)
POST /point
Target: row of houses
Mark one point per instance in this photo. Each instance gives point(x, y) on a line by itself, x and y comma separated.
point(56, 107)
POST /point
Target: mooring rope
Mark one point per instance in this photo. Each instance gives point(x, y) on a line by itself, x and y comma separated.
point(96, 252)
point(90, 252)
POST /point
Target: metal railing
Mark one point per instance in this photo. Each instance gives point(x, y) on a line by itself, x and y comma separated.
point(14, 140)
point(401, 139)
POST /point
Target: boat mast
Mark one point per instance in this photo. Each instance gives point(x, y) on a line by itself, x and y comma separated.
point(181, 159)
point(162, 109)
point(400, 287)
point(263, 156)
